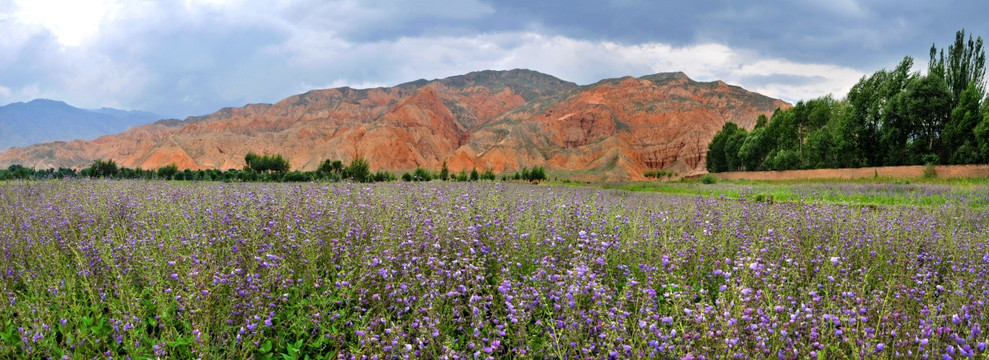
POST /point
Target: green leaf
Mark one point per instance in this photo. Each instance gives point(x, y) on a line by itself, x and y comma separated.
point(266, 347)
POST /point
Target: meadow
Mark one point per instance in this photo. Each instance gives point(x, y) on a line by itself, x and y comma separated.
point(154, 269)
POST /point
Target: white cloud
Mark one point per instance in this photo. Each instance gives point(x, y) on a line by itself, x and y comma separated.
point(577, 60)
point(72, 22)
point(189, 57)
point(30, 91)
point(822, 79)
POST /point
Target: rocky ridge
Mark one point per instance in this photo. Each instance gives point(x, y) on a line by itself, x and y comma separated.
point(611, 130)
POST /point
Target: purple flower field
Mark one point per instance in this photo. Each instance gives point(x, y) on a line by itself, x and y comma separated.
point(146, 269)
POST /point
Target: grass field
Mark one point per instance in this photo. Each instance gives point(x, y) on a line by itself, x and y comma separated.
point(148, 269)
point(972, 192)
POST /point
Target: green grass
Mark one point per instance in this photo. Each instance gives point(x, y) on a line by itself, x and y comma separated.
point(923, 192)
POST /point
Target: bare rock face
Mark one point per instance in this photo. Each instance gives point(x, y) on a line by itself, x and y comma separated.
point(504, 120)
point(619, 127)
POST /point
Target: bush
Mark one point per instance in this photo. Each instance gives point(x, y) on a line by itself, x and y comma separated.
point(359, 170)
point(383, 176)
point(264, 163)
point(709, 179)
point(421, 174)
point(102, 168)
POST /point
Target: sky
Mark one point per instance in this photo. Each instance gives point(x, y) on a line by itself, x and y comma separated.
point(181, 58)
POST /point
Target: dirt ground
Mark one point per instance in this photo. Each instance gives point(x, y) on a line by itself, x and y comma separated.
point(943, 171)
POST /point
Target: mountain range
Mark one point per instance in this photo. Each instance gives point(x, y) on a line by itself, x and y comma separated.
point(42, 120)
point(614, 129)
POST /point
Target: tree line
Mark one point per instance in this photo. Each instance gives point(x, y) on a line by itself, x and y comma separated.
point(890, 118)
point(268, 168)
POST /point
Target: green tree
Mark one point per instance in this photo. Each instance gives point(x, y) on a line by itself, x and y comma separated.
point(922, 110)
point(330, 167)
point(488, 174)
point(383, 176)
point(266, 163)
point(753, 151)
point(444, 172)
point(422, 174)
point(868, 111)
point(982, 134)
point(537, 174)
point(358, 170)
point(820, 151)
point(785, 160)
point(963, 65)
point(101, 168)
point(166, 172)
point(474, 176)
point(761, 122)
point(732, 148)
point(959, 134)
point(723, 150)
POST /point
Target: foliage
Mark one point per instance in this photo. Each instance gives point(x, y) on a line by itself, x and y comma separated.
point(929, 171)
point(959, 134)
point(889, 118)
point(444, 172)
point(421, 174)
point(359, 170)
point(166, 172)
point(659, 174)
point(266, 163)
point(103, 168)
point(488, 174)
point(537, 174)
point(963, 66)
point(719, 156)
point(330, 167)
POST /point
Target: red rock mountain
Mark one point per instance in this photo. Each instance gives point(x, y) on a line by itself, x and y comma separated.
point(505, 120)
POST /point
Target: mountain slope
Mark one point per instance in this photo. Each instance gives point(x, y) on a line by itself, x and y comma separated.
point(46, 120)
point(506, 120)
point(618, 127)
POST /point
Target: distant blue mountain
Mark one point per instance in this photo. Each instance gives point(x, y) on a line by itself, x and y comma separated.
point(41, 120)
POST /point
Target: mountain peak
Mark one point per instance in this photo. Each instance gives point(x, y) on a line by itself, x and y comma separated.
point(500, 119)
point(42, 120)
point(46, 102)
point(668, 76)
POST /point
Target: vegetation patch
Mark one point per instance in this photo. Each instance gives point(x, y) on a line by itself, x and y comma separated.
point(154, 269)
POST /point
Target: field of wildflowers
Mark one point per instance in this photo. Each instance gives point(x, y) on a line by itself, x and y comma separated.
point(148, 269)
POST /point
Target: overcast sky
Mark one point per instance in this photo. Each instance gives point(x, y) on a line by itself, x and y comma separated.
point(184, 57)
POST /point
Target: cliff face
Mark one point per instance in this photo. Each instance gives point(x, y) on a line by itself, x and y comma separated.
point(506, 120)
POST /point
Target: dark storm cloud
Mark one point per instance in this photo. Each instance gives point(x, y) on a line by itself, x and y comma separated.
point(192, 57)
